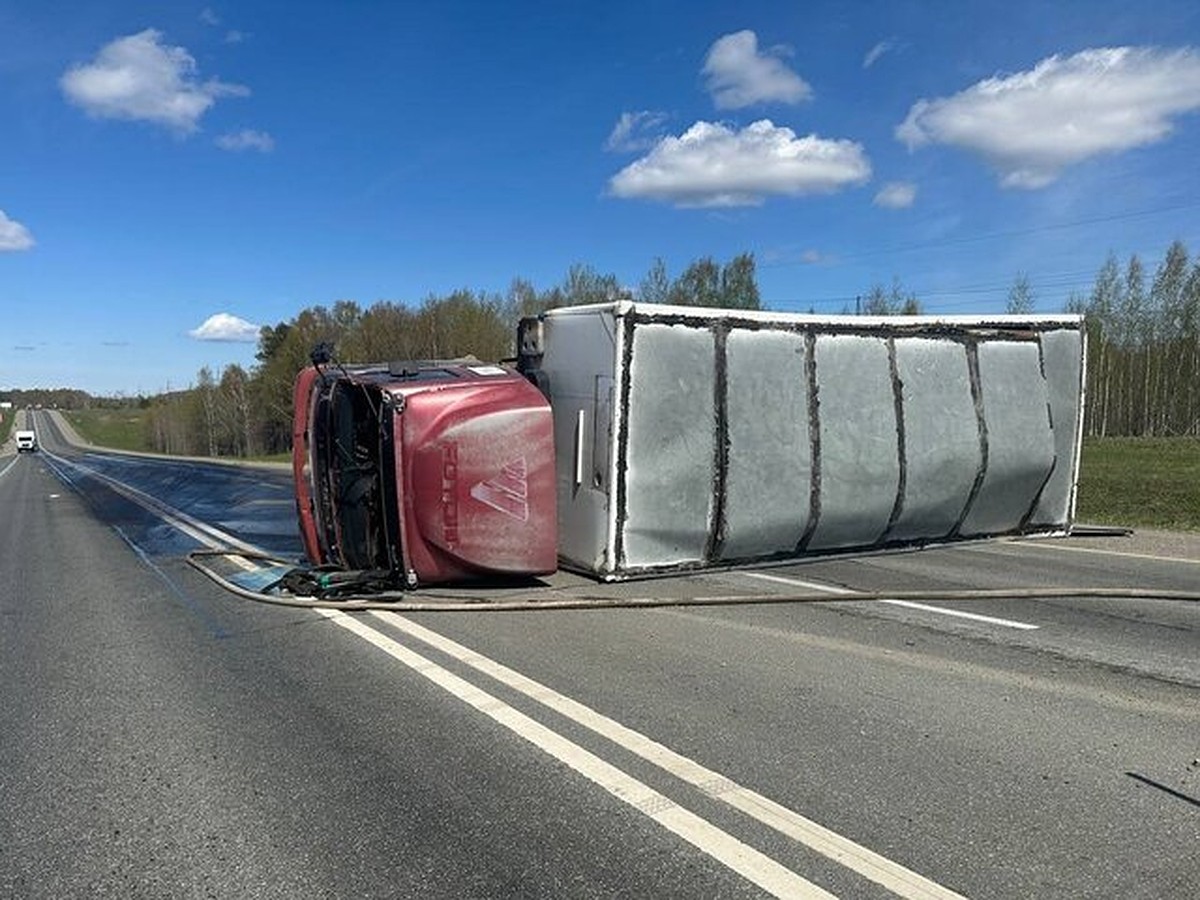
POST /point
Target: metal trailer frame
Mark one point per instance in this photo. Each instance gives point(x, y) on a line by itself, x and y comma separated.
point(691, 438)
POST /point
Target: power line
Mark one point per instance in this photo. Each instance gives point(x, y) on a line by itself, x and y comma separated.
point(1050, 289)
point(994, 235)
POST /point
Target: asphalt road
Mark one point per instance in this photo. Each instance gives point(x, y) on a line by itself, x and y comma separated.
point(160, 737)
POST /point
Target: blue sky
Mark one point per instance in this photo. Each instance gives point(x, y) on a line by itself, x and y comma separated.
point(162, 164)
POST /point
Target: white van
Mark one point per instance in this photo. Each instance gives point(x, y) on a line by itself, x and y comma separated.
point(26, 441)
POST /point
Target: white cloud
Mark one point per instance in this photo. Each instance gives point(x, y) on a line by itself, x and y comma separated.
point(712, 165)
point(635, 131)
point(739, 75)
point(896, 195)
point(1033, 125)
point(246, 139)
point(232, 35)
point(226, 327)
point(13, 235)
point(138, 77)
point(877, 51)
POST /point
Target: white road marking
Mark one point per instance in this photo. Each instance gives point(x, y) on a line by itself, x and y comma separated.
point(194, 528)
point(751, 864)
point(1048, 546)
point(796, 582)
point(991, 620)
point(11, 463)
point(833, 589)
point(883, 871)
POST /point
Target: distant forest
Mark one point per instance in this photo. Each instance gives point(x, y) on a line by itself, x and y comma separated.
point(1143, 336)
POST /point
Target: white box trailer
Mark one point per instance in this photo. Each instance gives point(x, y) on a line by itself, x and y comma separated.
point(690, 438)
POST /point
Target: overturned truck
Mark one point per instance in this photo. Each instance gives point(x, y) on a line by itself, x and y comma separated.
point(636, 439)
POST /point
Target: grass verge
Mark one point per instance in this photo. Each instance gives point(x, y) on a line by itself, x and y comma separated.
point(1152, 482)
point(125, 429)
point(120, 429)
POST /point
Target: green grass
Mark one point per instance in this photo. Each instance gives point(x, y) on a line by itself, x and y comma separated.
point(271, 457)
point(125, 429)
point(1152, 482)
point(6, 423)
point(121, 429)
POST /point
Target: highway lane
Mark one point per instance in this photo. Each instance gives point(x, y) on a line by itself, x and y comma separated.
point(171, 739)
point(163, 740)
point(254, 503)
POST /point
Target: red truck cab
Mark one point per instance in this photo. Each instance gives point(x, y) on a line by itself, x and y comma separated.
point(433, 471)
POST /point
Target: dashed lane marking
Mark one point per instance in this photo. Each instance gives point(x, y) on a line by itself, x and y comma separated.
point(940, 610)
point(991, 620)
point(1038, 545)
point(755, 866)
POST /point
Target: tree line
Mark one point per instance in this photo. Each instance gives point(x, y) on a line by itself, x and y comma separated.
point(249, 413)
point(1143, 339)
